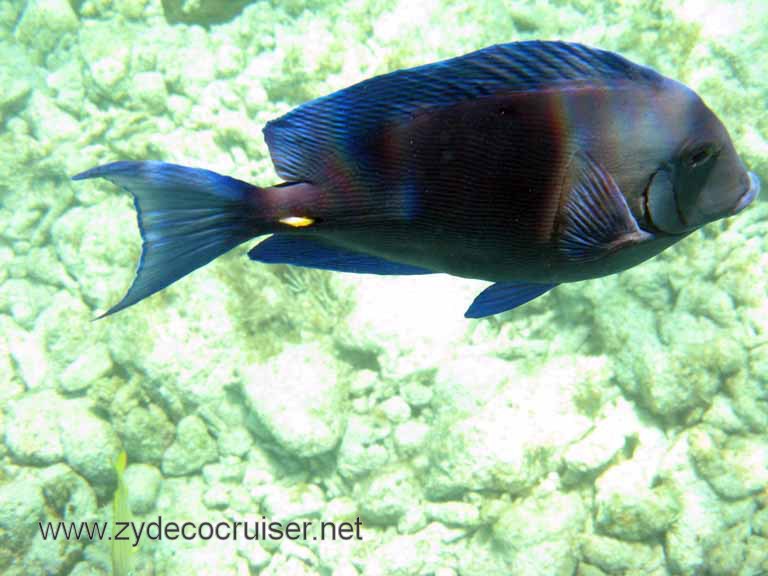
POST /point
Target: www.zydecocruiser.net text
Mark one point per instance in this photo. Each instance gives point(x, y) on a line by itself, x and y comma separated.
point(262, 529)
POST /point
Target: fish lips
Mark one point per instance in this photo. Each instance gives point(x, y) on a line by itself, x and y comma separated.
point(750, 194)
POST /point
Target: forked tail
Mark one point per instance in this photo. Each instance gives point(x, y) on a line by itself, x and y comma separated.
point(187, 217)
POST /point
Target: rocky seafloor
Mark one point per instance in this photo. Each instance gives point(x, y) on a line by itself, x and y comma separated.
point(617, 426)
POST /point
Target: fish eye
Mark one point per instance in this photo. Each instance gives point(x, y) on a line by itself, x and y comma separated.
point(701, 156)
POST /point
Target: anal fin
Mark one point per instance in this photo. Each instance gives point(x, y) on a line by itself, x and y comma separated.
point(314, 253)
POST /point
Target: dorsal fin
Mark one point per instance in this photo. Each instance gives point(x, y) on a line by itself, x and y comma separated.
point(304, 140)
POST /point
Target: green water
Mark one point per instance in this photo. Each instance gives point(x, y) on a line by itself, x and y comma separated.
point(616, 426)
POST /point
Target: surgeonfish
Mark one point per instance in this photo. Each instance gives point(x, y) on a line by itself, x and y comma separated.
point(526, 164)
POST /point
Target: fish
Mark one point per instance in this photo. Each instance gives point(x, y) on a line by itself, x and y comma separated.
point(527, 164)
point(122, 547)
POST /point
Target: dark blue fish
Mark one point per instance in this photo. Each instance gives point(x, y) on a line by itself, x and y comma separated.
point(526, 164)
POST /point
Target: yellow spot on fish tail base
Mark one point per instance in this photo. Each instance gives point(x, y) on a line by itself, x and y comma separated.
point(297, 221)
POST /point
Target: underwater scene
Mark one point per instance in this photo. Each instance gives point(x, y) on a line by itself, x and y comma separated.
point(506, 314)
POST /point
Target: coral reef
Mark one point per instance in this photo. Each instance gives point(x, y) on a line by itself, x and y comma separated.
point(617, 426)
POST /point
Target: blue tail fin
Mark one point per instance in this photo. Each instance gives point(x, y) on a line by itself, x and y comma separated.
point(187, 217)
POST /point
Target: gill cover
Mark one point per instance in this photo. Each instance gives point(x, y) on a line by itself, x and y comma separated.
point(674, 193)
point(661, 204)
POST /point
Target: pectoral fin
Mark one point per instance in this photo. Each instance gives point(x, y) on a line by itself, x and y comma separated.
point(595, 219)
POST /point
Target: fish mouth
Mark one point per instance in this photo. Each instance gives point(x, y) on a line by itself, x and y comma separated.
point(750, 194)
